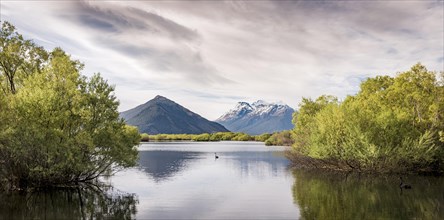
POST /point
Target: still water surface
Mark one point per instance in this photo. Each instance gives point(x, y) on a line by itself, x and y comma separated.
point(184, 180)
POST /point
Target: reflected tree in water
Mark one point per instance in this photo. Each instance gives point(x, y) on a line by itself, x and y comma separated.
point(76, 203)
point(322, 195)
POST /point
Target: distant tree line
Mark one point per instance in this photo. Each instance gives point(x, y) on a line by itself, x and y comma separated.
point(279, 138)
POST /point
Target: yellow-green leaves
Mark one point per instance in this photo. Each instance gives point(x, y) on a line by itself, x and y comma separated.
point(391, 124)
point(19, 58)
point(58, 127)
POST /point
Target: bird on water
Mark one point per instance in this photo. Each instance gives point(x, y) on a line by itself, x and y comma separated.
point(403, 185)
point(215, 156)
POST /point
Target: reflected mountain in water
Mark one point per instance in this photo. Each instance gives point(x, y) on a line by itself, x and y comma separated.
point(80, 203)
point(185, 181)
point(161, 165)
point(323, 195)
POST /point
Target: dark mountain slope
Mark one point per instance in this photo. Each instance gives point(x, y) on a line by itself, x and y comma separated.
point(163, 116)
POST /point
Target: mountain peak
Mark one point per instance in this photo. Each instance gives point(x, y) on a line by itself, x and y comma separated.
point(239, 110)
point(258, 117)
point(159, 97)
point(260, 102)
point(164, 116)
point(243, 105)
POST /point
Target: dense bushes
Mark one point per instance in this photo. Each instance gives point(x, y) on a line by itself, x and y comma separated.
point(392, 124)
point(57, 126)
point(262, 137)
point(219, 136)
point(283, 138)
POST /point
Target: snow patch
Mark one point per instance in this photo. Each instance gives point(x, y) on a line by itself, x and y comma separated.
point(258, 108)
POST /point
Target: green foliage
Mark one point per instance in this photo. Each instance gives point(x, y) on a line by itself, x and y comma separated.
point(283, 138)
point(262, 137)
point(168, 137)
point(58, 127)
point(219, 136)
point(202, 137)
point(304, 120)
point(18, 58)
point(392, 124)
point(144, 137)
point(227, 136)
point(242, 137)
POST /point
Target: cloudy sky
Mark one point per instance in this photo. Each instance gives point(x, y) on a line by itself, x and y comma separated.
point(208, 55)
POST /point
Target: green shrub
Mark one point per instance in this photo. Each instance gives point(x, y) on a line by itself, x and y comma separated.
point(262, 137)
point(391, 125)
point(202, 137)
point(283, 138)
point(58, 127)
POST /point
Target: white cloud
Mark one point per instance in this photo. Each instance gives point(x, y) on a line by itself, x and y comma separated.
point(207, 55)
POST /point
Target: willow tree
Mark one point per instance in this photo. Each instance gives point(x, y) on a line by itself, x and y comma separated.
point(19, 58)
point(59, 127)
point(392, 124)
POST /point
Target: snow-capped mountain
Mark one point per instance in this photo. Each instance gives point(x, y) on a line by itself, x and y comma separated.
point(258, 117)
point(241, 109)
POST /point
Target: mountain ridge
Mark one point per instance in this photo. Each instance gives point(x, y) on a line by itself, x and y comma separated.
point(258, 117)
point(161, 115)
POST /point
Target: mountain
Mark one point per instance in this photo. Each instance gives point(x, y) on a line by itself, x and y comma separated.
point(258, 118)
point(163, 116)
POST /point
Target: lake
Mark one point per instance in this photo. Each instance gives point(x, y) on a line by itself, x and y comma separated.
point(184, 180)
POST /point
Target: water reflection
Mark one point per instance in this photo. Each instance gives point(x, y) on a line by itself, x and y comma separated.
point(162, 165)
point(80, 203)
point(258, 163)
point(248, 181)
point(186, 181)
point(340, 196)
